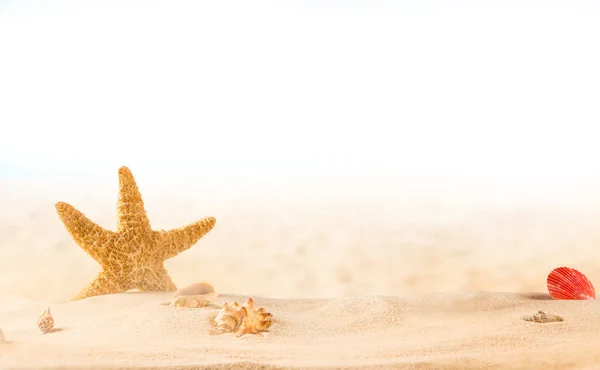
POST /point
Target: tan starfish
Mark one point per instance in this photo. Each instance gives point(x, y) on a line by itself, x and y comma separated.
point(133, 256)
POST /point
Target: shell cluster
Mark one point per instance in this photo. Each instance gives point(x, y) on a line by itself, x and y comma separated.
point(196, 295)
point(568, 283)
point(244, 319)
point(542, 317)
point(46, 322)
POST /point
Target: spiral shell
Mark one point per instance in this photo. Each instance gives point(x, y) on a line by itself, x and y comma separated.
point(243, 319)
point(256, 321)
point(229, 318)
point(46, 322)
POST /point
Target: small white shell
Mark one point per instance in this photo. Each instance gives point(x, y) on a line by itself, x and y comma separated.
point(542, 317)
point(197, 289)
point(2, 339)
point(195, 295)
point(46, 322)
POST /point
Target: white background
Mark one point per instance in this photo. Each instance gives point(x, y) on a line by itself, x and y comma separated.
point(502, 96)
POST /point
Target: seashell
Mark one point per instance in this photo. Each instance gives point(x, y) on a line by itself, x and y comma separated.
point(542, 317)
point(568, 283)
point(2, 339)
point(229, 318)
point(256, 321)
point(195, 295)
point(190, 301)
point(197, 289)
point(46, 322)
point(243, 319)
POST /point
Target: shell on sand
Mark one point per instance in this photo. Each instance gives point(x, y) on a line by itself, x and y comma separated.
point(568, 283)
point(229, 318)
point(197, 289)
point(2, 339)
point(45, 322)
point(256, 321)
point(542, 317)
point(190, 301)
point(243, 319)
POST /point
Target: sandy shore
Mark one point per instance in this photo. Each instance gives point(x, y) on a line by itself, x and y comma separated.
point(369, 280)
point(459, 330)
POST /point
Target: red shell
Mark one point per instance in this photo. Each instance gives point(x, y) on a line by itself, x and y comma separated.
point(568, 283)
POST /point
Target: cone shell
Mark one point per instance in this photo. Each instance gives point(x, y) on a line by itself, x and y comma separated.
point(243, 319)
point(45, 322)
point(568, 283)
point(197, 289)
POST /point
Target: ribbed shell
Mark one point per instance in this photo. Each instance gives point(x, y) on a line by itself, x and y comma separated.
point(568, 283)
point(46, 322)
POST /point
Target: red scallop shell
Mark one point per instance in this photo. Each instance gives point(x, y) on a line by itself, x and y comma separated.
point(568, 283)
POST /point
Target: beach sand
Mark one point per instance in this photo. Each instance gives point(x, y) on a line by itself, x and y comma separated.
point(357, 279)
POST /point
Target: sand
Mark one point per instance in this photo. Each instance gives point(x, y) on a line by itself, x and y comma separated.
point(353, 280)
point(446, 330)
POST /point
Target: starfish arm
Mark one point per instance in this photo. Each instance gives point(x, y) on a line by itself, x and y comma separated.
point(130, 205)
point(92, 238)
point(155, 279)
point(176, 241)
point(103, 284)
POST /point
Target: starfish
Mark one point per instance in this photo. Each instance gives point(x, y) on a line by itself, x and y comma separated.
point(133, 256)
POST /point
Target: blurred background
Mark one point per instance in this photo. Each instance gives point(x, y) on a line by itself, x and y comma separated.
point(356, 147)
